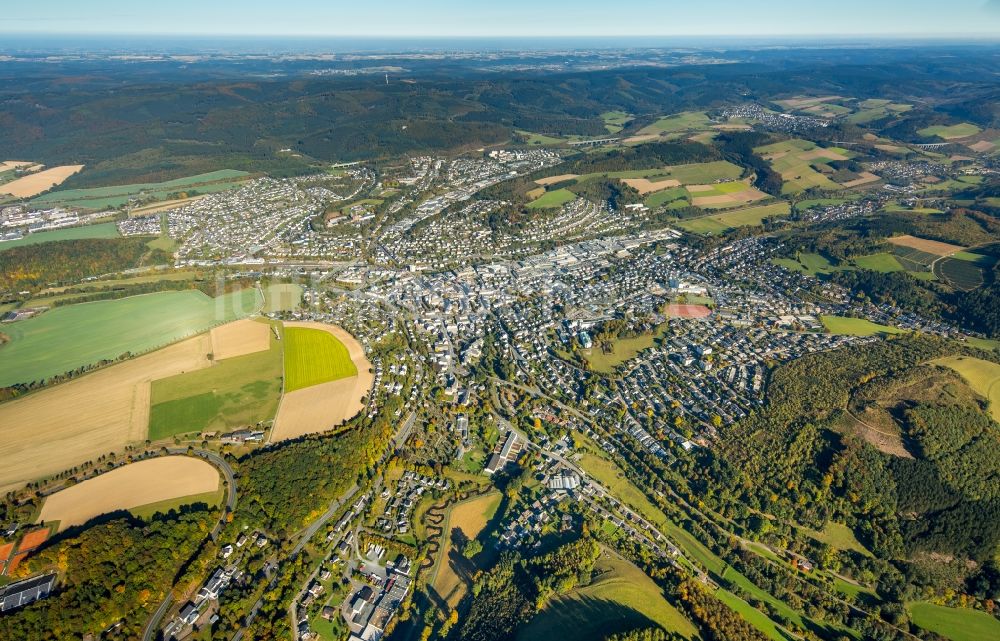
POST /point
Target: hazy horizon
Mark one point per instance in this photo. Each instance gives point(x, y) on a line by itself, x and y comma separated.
point(438, 19)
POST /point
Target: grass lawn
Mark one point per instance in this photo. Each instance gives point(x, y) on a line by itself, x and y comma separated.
point(856, 326)
point(282, 297)
point(982, 376)
point(615, 121)
point(719, 223)
point(235, 392)
point(883, 262)
point(101, 230)
point(556, 198)
point(955, 623)
point(812, 264)
point(839, 536)
point(118, 195)
point(962, 130)
point(687, 121)
point(539, 139)
point(66, 338)
point(667, 196)
point(620, 598)
point(313, 356)
point(754, 617)
point(625, 350)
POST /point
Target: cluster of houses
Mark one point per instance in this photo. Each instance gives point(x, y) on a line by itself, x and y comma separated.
point(370, 610)
point(400, 503)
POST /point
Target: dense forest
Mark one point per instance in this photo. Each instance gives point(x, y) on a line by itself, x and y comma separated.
point(33, 266)
point(110, 573)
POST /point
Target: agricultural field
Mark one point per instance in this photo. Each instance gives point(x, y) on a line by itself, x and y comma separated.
point(468, 520)
point(243, 389)
point(620, 598)
point(687, 121)
point(724, 195)
point(798, 103)
point(556, 198)
point(314, 356)
point(809, 263)
point(130, 486)
point(69, 337)
point(38, 182)
point(308, 410)
point(925, 245)
point(100, 230)
point(855, 326)
point(795, 160)
point(719, 223)
point(282, 297)
point(982, 376)
point(117, 196)
point(955, 623)
point(63, 426)
point(952, 132)
point(876, 109)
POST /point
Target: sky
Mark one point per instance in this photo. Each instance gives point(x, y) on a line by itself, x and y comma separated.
point(522, 18)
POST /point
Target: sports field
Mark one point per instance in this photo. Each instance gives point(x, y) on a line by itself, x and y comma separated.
point(34, 184)
point(719, 223)
point(57, 428)
point(102, 230)
point(308, 410)
point(467, 519)
point(238, 391)
point(556, 198)
point(955, 623)
point(953, 132)
point(313, 356)
point(855, 326)
point(118, 195)
point(982, 376)
point(130, 486)
point(620, 598)
point(66, 338)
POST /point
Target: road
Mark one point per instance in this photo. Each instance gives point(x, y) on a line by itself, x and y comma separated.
point(304, 537)
point(153, 625)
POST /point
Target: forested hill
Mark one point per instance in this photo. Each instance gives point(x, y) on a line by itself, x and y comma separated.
point(180, 122)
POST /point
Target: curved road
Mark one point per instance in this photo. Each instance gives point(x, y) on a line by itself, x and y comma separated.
point(149, 634)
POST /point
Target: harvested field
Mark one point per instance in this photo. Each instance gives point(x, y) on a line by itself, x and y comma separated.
point(322, 407)
point(719, 223)
point(8, 165)
point(821, 153)
point(982, 146)
point(63, 426)
point(34, 184)
point(645, 186)
point(551, 180)
point(130, 486)
point(929, 246)
point(866, 177)
point(240, 338)
point(164, 206)
point(982, 376)
point(466, 520)
point(675, 310)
